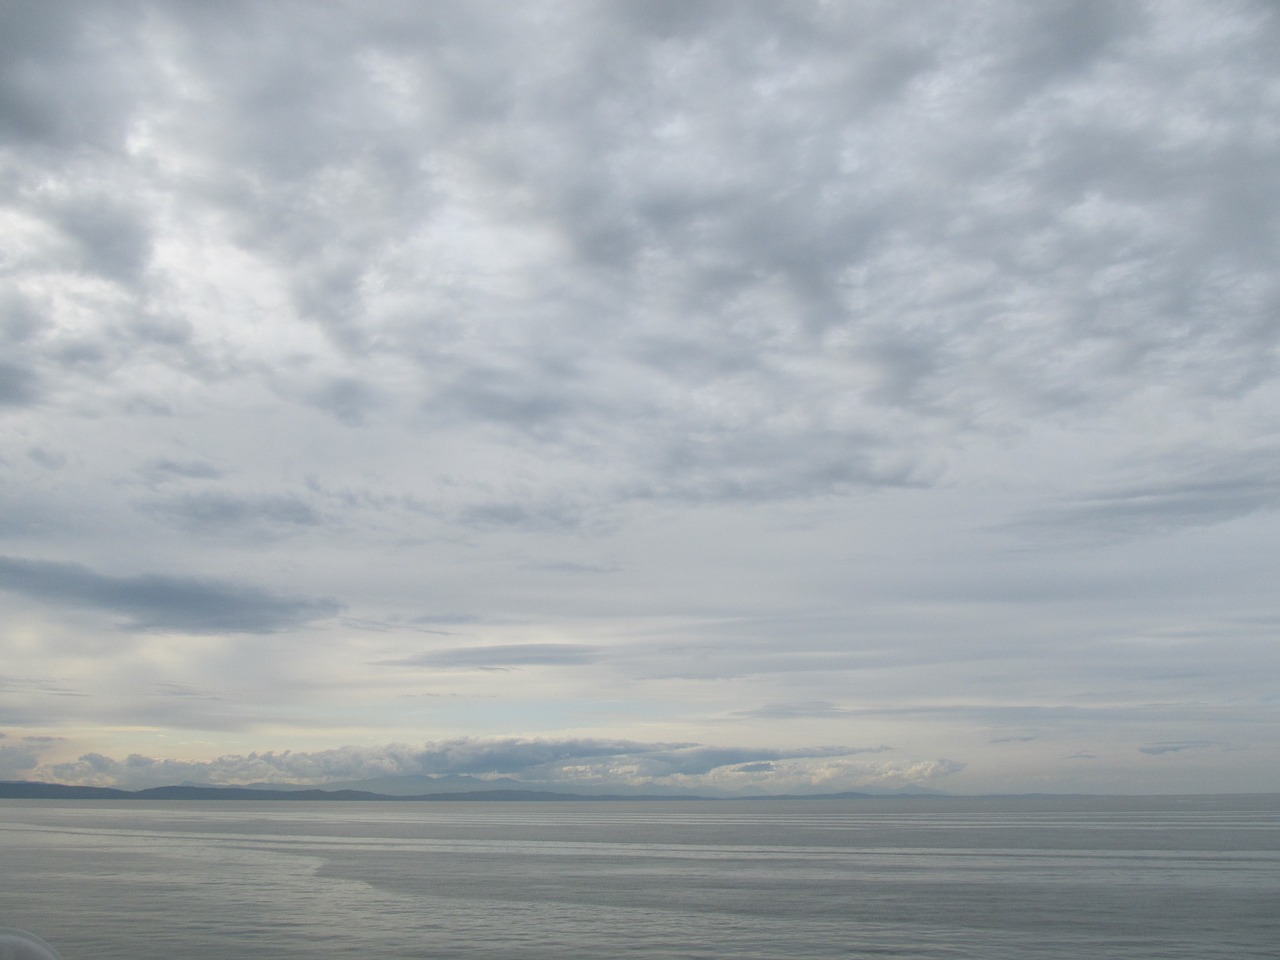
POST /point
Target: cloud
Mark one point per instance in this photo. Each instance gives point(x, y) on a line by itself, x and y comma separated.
point(573, 567)
point(798, 709)
point(19, 385)
point(349, 399)
point(503, 656)
point(516, 756)
point(16, 760)
point(110, 236)
point(184, 691)
point(165, 470)
point(216, 513)
point(695, 761)
point(44, 685)
point(1159, 749)
point(60, 88)
point(49, 459)
point(532, 514)
point(726, 281)
point(159, 602)
point(1234, 487)
point(546, 763)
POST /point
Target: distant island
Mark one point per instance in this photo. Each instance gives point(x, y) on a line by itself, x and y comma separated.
point(35, 790)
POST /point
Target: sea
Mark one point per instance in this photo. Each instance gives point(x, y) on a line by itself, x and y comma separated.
point(1022, 878)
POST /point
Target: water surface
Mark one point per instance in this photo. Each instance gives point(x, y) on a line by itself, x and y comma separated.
point(1025, 878)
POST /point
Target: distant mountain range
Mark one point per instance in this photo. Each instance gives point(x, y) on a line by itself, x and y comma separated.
point(35, 790)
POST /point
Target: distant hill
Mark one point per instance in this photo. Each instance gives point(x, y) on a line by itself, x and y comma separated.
point(35, 790)
point(415, 786)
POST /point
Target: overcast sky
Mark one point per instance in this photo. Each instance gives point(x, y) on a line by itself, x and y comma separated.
point(781, 396)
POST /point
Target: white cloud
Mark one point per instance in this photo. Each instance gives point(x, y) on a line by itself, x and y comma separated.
point(543, 763)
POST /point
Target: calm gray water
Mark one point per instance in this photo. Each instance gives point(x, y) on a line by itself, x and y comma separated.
point(1027, 878)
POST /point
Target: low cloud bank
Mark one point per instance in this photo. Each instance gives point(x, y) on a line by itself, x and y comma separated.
point(561, 764)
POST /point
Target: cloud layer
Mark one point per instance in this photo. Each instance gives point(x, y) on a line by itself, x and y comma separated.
point(735, 374)
point(601, 765)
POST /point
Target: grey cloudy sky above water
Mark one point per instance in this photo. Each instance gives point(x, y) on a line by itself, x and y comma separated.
point(771, 396)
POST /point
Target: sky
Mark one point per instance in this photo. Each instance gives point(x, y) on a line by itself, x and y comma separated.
point(773, 397)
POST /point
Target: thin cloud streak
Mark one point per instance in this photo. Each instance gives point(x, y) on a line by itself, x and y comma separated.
point(155, 602)
point(502, 656)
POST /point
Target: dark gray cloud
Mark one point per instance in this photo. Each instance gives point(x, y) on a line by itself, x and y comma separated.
point(1234, 486)
point(164, 470)
point(212, 512)
point(19, 385)
point(49, 459)
point(349, 399)
point(1158, 749)
point(533, 513)
point(160, 602)
point(17, 760)
point(61, 83)
point(110, 237)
